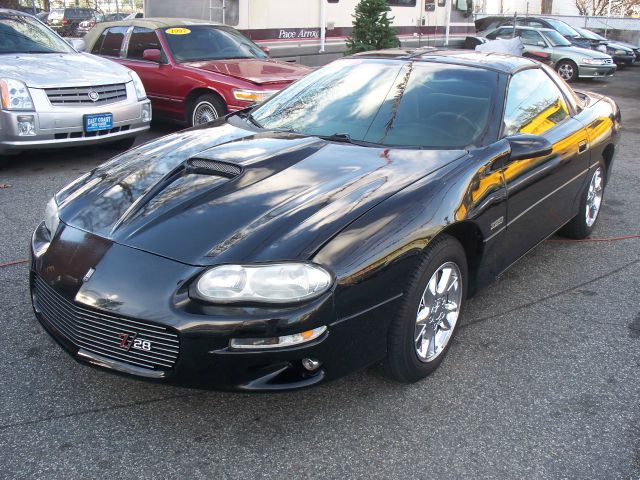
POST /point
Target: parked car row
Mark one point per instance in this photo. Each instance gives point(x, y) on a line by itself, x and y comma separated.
point(622, 53)
point(53, 95)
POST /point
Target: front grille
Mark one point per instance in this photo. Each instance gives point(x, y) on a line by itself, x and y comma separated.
point(103, 334)
point(77, 96)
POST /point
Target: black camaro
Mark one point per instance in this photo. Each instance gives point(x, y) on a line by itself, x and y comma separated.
point(343, 222)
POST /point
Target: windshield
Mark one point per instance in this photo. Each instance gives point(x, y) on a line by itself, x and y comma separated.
point(22, 34)
point(587, 34)
point(56, 13)
point(410, 104)
point(563, 28)
point(556, 39)
point(193, 43)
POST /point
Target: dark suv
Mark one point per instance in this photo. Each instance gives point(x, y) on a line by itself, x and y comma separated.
point(65, 21)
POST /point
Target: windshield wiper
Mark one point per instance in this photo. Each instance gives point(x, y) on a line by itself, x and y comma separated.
point(249, 116)
point(346, 138)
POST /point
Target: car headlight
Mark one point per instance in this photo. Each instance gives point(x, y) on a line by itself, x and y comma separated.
point(51, 217)
point(15, 95)
point(620, 52)
point(137, 83)
point(592, 61)
point(267, 283)
point(253, 96)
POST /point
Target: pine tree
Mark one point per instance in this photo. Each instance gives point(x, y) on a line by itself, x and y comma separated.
point(372, 28)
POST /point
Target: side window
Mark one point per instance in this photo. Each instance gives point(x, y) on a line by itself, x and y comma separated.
point(112, 42)
point(531, 37)
point(142, 39)
point(502, 33)
point(535, 24)
point(534, 104)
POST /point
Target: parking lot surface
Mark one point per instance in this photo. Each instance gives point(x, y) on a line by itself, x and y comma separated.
point(542, 381)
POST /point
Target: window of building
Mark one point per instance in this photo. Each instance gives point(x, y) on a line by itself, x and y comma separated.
point(402, 3)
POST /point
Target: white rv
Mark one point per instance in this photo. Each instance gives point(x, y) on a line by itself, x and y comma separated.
point(304, 29)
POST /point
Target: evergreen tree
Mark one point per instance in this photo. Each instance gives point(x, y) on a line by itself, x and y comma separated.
point(372, 28)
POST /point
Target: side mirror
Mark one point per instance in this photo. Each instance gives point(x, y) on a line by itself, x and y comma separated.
point(151, 55)
point(524, 147)
point(265, 50)
point(542, 44)
point(78, 44)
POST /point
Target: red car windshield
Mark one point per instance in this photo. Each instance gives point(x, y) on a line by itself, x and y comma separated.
point(193, 43)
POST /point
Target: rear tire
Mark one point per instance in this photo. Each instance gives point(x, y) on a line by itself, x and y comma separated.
point(422, 331)
point(584, 222)
point(568, 70)
point(206, 108)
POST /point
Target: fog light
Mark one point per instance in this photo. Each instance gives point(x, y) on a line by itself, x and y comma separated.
point(146, 112)
point(311, 364)
point(277, 342)
point(26, 125)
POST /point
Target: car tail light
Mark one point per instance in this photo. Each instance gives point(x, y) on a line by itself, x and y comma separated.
point(64, 22)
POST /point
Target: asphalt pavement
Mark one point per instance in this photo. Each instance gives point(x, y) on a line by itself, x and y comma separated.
point(542, 381)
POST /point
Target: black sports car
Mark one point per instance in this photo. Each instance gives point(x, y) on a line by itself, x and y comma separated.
point(344, 221)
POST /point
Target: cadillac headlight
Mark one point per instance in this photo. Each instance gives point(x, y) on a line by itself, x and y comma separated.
point(268, 283)
point(253, 96)
point(51, 217)
point(592, 61)
point(15, 95)
point(137, 83)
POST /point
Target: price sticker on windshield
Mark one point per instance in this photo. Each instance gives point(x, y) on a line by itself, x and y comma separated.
point(178, 31)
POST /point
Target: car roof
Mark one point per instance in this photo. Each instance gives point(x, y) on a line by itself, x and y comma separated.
point(524, 27)
point(469, 58)
point(160, 22)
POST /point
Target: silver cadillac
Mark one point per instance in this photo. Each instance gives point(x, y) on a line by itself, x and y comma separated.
point(54, 96)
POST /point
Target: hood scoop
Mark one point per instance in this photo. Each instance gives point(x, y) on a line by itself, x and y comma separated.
point(201, 166)
point(177, 185)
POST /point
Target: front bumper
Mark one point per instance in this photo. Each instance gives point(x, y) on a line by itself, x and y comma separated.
point(133, 286)
point(624, 59)
point(593, 71)
point(64, 126)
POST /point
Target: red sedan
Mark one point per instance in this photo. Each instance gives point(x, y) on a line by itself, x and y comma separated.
point(193, 70)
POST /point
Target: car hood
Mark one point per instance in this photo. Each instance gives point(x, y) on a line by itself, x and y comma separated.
point(620, 46)
point(586, 52)
point(253, 70)
point(40, 70)
point(293, 193)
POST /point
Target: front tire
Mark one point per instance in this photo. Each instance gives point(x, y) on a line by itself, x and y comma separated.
point(583, 223)
point(206, 108)
point(568, 70)
point(421, 333)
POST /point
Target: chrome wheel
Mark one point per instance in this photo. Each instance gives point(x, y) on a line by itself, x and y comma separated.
point(438, 312)
point(566, 71)
point(594, 197)
point(204, 112)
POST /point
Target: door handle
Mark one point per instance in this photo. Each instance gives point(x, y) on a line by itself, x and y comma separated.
point(582, 146)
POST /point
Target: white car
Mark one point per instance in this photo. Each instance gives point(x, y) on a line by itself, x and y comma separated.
point(54, 96)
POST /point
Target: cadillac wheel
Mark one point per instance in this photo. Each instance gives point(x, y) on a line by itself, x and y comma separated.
point(422, 332)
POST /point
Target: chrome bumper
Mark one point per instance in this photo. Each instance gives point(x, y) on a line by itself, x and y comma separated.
point(64, 126)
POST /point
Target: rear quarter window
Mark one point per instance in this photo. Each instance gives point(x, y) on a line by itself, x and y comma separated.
point(110, 42)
